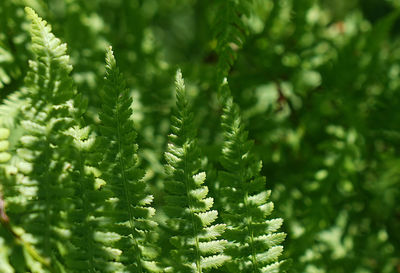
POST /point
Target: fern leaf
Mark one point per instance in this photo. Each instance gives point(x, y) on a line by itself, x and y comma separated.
point(10, 110)
point(129, 208)
point(33, 258)
point(230, 33)
point(44, 149)
point(50, 71)
point(194, 244)
point(253, 243)
point(43, 185)
point(86, 254)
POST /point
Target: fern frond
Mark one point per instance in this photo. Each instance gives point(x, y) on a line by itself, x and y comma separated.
point(50, 71)
point(87, 254)
point(230, 33)
point(4, 144)
point(254, 244)
point(194, 244)
point(42, 186)
point(128, 210)
point(15, 241)
point(10, 110)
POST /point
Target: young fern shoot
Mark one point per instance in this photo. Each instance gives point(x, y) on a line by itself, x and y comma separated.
point(254, 244)
point(195, 247)
point(128, 210)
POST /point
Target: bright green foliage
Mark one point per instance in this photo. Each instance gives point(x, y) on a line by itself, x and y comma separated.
point(4, 144)
point(128, 211)
point(50, 69)
point(86, 252)
point(254, 243)
point(50, 167)
point(195, 247)
point(67, 194)
point(13, 240)
point(317, 83)
point(43, 150)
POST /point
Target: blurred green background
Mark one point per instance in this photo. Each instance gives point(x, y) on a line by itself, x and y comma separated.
point(318, 83)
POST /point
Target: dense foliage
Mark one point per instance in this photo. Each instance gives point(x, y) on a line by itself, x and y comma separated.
point(123, 166)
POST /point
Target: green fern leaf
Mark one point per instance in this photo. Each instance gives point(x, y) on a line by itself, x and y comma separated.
point(10, 110)
point(42, 187)
point(44, 148)
point(50, 71)
point(194, 244)
point(229, 32)
point(254, 244)
point(128, 208)
point(87, 254)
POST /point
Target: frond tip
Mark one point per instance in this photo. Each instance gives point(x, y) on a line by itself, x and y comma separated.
point(111, 63)
point(179, 82)
point(44, 43)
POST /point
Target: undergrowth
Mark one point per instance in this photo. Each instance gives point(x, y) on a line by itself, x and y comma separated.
point(199, 136)
point(74, 194)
